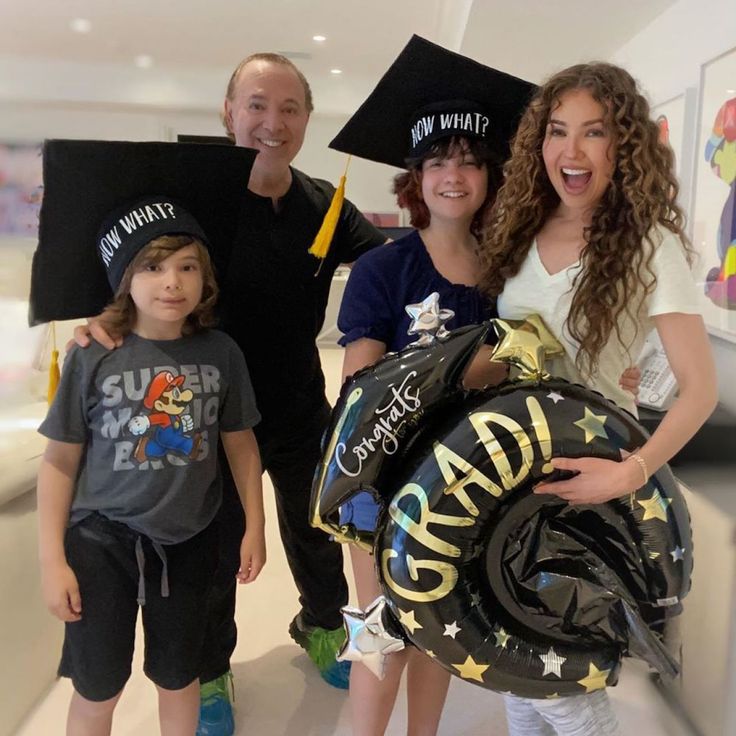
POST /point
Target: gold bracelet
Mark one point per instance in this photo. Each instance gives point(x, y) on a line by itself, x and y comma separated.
point(642, 464)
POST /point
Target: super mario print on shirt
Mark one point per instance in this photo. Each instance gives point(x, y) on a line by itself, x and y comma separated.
point(149, 415)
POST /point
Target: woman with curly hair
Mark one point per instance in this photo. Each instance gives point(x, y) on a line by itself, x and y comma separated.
point(586, 232)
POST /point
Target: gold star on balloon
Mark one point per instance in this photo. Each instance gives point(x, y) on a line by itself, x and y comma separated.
point(596, 679)
point(502, 638)
point(367, 640)
point(430, 653)
point(408, 621)
point(470, 670)
point(427, 319)
point(552, 696)
point(525, 344)
point(655, 507)
point(519, 347)
point(592, 425)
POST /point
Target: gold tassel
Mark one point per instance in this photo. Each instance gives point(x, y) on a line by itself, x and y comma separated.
point(323, 239)
point(54, 373)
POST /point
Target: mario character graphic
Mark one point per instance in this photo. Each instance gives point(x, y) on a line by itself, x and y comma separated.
point(720, 152)
point(166, 402)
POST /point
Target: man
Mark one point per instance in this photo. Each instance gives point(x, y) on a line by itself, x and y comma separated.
point(273, 300)
point(274, 295)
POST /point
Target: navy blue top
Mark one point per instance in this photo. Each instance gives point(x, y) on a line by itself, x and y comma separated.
point(384, 280)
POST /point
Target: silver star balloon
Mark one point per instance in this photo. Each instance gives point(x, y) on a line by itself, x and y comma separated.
point(427, 319)
point(368, 641)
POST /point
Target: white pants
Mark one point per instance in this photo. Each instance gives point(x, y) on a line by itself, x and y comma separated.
point(578, 715)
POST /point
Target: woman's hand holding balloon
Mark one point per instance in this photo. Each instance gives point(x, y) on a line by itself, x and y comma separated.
point(595, 480)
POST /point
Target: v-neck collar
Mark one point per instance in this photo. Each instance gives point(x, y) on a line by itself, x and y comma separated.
point(563, 273)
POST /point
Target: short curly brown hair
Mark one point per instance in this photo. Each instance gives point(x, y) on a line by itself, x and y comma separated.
point(408, 185)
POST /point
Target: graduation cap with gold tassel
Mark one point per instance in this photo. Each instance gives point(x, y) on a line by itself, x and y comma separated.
point(430, 93)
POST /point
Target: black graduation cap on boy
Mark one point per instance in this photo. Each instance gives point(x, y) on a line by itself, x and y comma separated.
point(430, 93)
point(104, 200)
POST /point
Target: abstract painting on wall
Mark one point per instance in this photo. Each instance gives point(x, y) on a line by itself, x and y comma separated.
point(20, 188)
point(714, 202)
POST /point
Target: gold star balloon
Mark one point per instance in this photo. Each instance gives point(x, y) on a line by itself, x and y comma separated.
point(525, 344)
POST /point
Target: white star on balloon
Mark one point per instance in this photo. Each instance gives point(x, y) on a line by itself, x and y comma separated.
point(367, 640)
point(552, 663)
point(452, 629)
point(427, 319)
point(555, 396)
point(678, 553)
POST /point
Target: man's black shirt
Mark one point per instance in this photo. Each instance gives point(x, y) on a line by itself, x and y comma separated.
point(274, 296)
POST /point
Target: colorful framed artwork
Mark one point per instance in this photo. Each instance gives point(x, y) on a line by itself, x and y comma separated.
point(714, 195)
point(676, 118)
point(670, 118)
point(21, 182)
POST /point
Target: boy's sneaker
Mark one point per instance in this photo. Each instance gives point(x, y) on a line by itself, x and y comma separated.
point(215, 707)
point(322, 645)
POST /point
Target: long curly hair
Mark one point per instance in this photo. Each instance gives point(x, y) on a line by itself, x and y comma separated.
point(119, 316)
point(407, 185)
point(616, 274)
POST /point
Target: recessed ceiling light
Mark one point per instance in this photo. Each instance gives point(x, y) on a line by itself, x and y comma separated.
point(80, 25)
point(335, 71)
point(319, 39)
point(143, 61)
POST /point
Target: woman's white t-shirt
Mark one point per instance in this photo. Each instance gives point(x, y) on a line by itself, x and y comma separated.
point(535, 291)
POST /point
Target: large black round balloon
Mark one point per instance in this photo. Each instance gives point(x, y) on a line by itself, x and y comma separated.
point(523, 593)
point(515, 592)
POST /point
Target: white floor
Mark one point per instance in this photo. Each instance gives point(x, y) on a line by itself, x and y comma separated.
point(278, 691)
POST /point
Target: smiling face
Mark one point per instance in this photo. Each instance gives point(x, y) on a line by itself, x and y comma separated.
point(268, 112)
point(454, 187)
point(166, 292)
point(579, 150)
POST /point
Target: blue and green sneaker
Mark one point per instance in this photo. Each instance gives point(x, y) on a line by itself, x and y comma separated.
point(321, 646)
point(215, 707)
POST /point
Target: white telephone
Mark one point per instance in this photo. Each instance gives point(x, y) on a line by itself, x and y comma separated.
point(658, 386)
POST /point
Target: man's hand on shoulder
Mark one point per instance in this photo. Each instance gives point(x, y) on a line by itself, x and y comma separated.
point(93, 328)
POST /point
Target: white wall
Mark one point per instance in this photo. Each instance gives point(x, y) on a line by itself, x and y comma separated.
point(368, 183)
point(29, 121)
point(666, 58)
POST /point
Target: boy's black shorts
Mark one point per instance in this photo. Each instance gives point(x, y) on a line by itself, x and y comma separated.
point(98, 649)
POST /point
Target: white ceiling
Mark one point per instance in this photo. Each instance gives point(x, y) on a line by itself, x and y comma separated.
point(200, 41)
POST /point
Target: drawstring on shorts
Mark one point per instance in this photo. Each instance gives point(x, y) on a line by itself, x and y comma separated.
point(141, 560)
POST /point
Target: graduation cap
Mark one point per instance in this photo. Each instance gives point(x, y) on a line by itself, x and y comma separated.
point(104, 200)
point(430, 93)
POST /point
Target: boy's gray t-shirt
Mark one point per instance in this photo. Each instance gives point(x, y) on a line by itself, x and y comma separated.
point(149, 414)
